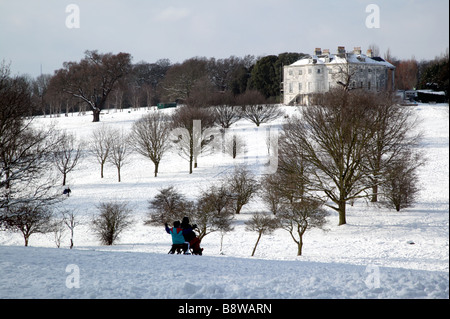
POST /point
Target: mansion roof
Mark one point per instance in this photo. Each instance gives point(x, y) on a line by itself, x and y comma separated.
point(343, 58)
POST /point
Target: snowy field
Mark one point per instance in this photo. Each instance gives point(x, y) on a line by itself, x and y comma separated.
point(379, 253)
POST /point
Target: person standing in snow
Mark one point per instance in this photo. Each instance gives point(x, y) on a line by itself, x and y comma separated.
point(178, 241)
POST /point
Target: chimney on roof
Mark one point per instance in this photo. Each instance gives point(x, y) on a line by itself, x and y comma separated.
point(369, 53)
point(357, 50)
point(318, 51)
point(341, 51)
point(326, 52)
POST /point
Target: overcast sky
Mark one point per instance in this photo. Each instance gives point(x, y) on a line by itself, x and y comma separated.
point(35, 32)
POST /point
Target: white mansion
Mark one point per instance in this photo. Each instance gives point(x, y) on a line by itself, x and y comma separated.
point(324, 71)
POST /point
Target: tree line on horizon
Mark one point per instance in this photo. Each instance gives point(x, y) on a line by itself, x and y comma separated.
point(104, 80)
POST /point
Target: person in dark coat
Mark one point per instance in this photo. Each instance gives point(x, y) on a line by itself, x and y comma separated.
point(190, 236)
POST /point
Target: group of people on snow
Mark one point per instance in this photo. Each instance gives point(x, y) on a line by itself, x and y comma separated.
point(184, 238)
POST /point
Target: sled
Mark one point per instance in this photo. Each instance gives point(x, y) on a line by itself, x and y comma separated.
point(194, 248)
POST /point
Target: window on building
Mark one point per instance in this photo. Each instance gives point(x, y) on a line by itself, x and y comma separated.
point(309, 71)
point(290, 87)
point(290, 71)
point(318, 70)
point(300, 87)
point(368, 85)
point(300, 72)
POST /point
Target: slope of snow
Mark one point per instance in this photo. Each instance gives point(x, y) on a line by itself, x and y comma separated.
point(48, 272)
point(380, 253)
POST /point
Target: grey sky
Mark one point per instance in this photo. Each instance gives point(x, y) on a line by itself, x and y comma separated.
point(34, 32)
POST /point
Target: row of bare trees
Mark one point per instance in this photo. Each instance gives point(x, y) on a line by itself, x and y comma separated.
point(102, 80)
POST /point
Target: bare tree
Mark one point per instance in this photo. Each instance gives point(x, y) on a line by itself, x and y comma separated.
point(395, 134)
point(58, 231)
point(119, 151)
point(192, 132)
point(67, 155)
point(272, 191)
point(29, 219)
point(181, 79)
point(225, 109)
point(256, 109)
point(400, 181)
point(167, 206)
point(100, 145)
point(150, 137)
point(243, 186)
point(214, 211)
point(93, 78)
point(333, 137)
point(263, 224)
point(349, 138)
point(234, 145)
point(227, 115)
point(299, 216)
point(71, 222)
point(26, 174)
point(112, 220)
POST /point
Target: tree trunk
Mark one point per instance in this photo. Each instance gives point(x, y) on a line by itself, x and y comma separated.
point(299, 247)
point(257, 241)
point(156, 168)
point(191, 159)
point(342, 220)
point(64, 179)
point(96, 114)
point(374, 198)
point(239, 206)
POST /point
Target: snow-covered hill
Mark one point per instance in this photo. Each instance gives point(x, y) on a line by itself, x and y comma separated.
point(380, 253)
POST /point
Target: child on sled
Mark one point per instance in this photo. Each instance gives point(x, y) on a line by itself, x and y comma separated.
point(178, 242)
point(190, 237)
